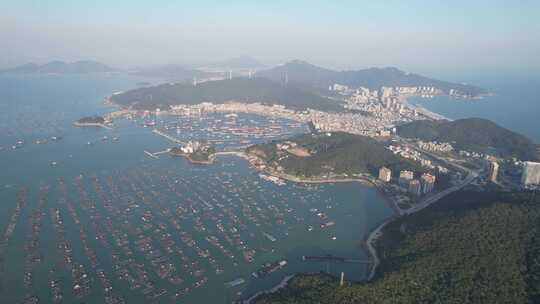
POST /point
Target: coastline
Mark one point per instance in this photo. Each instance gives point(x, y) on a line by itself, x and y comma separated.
point(424, 111)
point(193, 161)
point(280, 285)
point(371, 238)
point(377, 232)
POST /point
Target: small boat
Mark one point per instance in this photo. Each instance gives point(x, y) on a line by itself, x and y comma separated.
point(236, 282)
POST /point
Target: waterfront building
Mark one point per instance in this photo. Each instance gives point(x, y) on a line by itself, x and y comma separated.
point(415, 187)
point(385, 174)
point(428, 182)
point(404, 177)
point(531, 174)
point(493, 171)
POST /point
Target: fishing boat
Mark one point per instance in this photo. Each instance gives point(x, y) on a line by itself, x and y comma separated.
point(268, 268)
point(235, 282)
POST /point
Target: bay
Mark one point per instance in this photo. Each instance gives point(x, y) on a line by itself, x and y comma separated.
point(106, 210)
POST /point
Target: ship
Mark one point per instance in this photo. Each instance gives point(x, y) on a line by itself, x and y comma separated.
point(236, 282)
point(269, 236)
point(268, 268)
point(326, 258)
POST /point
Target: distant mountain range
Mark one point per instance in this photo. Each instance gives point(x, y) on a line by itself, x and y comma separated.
point(236, 89)
point(304, 73)
point(173, 72)
point(176, 72)
point(242, 62)
point(473, 134)
point(60, 67)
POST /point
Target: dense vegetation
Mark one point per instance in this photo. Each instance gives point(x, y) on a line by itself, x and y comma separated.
point(339, 153)
point(473, 134)
point(202, 155)
point(236, 89)
point(92, 120)
point(374, 78)
point(469, 248)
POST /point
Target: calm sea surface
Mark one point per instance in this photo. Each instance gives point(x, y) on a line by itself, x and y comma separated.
point(107, 222)
point(515, 104)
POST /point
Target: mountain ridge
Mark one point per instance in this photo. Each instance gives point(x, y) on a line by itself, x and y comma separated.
point(236, 89)
point(298, 71)
point(473, 134)
point(58, 67)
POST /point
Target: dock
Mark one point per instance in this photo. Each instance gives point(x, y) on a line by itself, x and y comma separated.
point(332, 258)
point(151, 154)
point(169, 137)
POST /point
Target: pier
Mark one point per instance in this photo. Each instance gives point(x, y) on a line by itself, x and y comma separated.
point(151, 154)
point(169, 137)
point(331, 258)
point(155, 154)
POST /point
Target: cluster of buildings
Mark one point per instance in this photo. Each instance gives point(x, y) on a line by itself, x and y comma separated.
point(193, 146)
point(423, 185)
point(414, 155)
point(434, 146)
point(493, 171)
point(363, 94)
point(375, 112)
point(531, 174)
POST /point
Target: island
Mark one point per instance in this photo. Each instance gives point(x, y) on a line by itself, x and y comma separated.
point(196, 152)
point(60, 67)
point(92, 121)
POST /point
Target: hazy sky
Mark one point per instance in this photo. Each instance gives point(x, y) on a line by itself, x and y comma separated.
point(414, 35)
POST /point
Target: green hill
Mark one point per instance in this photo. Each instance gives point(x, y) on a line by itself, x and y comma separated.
point(236, 89)
point(473, 134)
point(468, 248)
point(336, 154)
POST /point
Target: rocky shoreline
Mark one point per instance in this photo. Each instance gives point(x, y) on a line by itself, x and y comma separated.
point(91, 124)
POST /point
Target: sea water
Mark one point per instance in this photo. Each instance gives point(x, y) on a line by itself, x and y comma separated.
point(123, 214)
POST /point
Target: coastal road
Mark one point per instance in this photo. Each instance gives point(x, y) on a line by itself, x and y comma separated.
point(471, 176)
point(432, 199)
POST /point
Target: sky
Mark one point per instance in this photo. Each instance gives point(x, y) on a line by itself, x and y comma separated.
point(412, 35)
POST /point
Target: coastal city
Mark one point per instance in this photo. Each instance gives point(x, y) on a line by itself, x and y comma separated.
point(269, 152)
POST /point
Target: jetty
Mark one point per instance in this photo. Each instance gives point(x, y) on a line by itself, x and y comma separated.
point(169, 137)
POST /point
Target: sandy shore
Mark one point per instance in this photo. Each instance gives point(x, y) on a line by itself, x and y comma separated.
point(422, 110)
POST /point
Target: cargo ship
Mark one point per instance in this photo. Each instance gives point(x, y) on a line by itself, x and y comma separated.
point(268, 268)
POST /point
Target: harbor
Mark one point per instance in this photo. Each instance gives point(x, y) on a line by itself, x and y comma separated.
point(119, 220)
